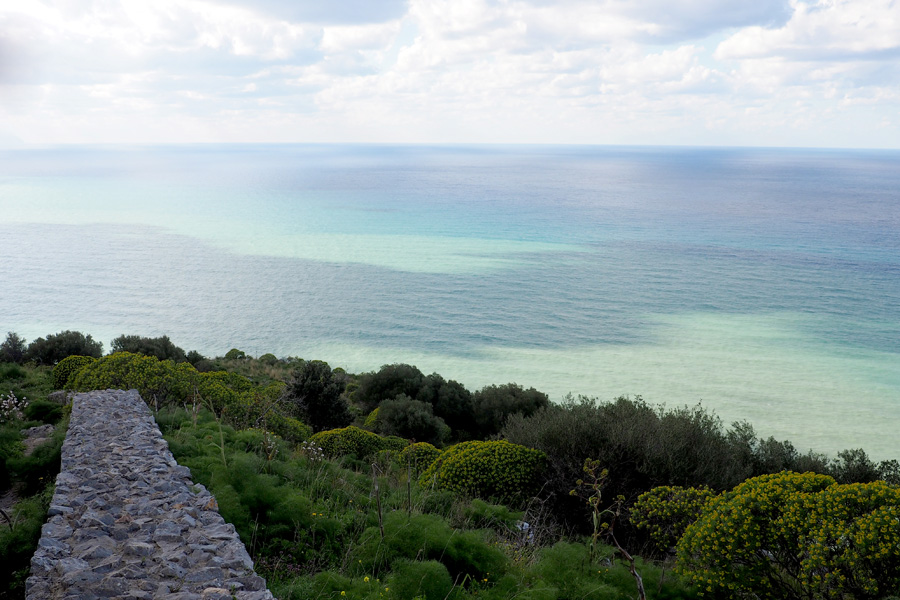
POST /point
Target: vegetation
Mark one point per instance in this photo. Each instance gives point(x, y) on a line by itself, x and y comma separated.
point(495, 470)
point(67, 367)
point(55, 347)
point(342, 527)
point(394, 484)
point(29, 478)
point(161, 347)
point(314, 395)
point(355, 442)
point(12, 350)
point(793, 536)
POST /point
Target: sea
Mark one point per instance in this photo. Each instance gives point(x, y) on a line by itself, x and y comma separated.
point(762, 284)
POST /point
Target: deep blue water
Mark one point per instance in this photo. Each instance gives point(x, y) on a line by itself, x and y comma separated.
point(765, 283)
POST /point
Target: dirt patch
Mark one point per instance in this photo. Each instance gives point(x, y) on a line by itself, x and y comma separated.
point(35, 436)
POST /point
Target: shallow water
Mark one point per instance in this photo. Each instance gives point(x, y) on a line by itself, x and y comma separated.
point(764, 283)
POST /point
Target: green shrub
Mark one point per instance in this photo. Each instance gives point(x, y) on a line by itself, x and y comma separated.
point(412, 419)
point(494, 404)
point(18, 541)
point(428, 580)
point(40, 467)
point(419, 456)
point(235, 354)
point(498, 470)
point(11, 371)
point(854, 466)
point(425, 537)
point(10, 446)
point(268, 359)
point(55, 347)
point(371, 423)
point(394, 443)
point(495, 516)
point(566, 567)
point(850, 535)
point(288, 428)
point(161, 347)
point(43, 410)
point(356, 442)
point(642, 446)
point(68, 367)
point(452, 402)
point(159, 382)
point(387, 383)
point(666, 512)
point(745, 544)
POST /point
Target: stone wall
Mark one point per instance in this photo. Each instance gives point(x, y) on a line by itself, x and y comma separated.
point(127, 522)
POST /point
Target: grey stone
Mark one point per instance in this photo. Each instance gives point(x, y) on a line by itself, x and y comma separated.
point(139, 548)
point(58, 509)
point(126, 520)
point(69, 565)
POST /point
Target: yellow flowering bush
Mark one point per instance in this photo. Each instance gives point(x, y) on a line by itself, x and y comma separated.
point(355, 441)
point(666, 511)
point(851, 537)
point(792, 535)
point(372, 423)
point(68, 367)
point(419, 455)
point(159, 382)
point(496, 470)
point(162, 382)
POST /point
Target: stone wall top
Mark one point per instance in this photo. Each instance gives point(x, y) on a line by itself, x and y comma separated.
point(126, 521)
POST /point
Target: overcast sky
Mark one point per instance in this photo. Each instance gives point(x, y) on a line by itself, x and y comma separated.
point(687, 72)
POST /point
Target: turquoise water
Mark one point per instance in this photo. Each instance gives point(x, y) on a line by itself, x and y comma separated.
point(764, 283)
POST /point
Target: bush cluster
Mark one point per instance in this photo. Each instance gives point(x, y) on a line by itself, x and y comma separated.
point(57, 346)
point(645, 446)
point(790, 535)
point(441, 408)
point(411, 419)
point(160, 347)
point(419, 456)
point(496, 470)
point(68, 367)
point(667, 511)
point(164, 383)
point(426, 537)
point(355, 442)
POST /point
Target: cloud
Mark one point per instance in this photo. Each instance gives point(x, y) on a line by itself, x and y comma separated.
point(587, 71)
point(344, 12)
point(828, 30)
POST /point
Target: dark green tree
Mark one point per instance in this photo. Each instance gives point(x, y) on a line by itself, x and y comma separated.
point(452, 402)
point(55, 347)
point(386, 384)
point(315, 395)
point(160, 347)
point(854, 466)
point(412, 419)
point(13, 349)
point(493, 405)
point(194, 357)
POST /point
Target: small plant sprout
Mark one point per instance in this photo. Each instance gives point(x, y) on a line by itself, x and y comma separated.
point(591, 490)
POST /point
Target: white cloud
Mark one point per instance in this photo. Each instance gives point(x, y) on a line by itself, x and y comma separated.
point(586, 71)
point(823, 31)
point(344, 12)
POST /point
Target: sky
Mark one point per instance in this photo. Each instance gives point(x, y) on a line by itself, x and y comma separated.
point(808, 73)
